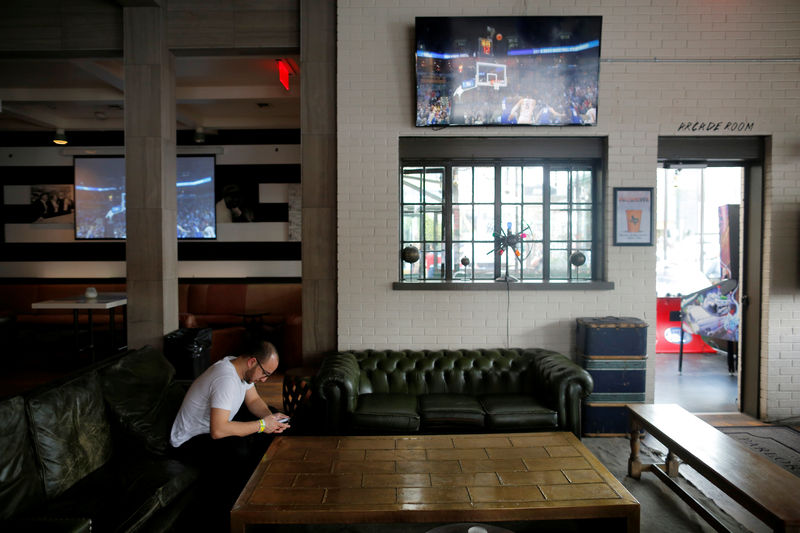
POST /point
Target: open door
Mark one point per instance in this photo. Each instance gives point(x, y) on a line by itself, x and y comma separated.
point(704, 182)
point(749, 375)
point(698, 250)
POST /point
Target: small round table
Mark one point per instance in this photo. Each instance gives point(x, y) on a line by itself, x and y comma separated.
point(296, 388)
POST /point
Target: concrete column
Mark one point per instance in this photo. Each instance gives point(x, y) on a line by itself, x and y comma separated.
point(152, 245)
point(319, 171)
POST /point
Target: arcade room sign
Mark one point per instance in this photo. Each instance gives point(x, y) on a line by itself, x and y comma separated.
point(716, 126)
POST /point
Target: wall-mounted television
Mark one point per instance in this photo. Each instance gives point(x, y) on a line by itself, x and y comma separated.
point(507, 71)
point(100, 197)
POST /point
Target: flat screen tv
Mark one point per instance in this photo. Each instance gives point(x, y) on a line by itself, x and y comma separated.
point(507, 71)
point(100, 197)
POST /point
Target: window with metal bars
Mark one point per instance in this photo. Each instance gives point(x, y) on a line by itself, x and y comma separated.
point(516, 220)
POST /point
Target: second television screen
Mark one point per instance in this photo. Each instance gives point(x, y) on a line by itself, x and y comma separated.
point(100, 198)
point(507, 71)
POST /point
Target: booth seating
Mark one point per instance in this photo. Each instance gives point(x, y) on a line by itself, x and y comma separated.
point(89, 452)
point(479, 390)
point(46, 331)
point(270, 310)
point(16, 300)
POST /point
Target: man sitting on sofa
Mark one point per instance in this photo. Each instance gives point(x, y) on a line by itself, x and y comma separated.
point(205, 432)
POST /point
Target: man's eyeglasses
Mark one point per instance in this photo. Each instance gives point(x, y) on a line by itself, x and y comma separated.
point(266, 374)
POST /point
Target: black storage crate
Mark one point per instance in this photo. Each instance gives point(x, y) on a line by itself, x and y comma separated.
point(614, 351)
point(605, 420)
point(611, 335)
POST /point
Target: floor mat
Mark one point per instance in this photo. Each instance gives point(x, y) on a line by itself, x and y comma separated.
point(779, 444)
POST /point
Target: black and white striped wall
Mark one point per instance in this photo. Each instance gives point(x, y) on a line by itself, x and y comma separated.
point(266, 161)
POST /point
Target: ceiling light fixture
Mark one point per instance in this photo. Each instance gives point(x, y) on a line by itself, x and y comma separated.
point(60, 137)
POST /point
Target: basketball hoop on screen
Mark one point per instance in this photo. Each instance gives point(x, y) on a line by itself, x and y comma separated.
point(490, 75)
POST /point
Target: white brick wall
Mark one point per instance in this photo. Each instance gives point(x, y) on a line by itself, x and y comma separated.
point(664, 62)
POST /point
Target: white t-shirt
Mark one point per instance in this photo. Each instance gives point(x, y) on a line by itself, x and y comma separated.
point(218, 387)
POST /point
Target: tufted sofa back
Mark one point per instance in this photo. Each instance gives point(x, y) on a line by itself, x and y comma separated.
point(473, 372)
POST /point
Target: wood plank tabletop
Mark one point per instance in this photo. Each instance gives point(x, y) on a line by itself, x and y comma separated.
point(740, 472)
point(431, 478)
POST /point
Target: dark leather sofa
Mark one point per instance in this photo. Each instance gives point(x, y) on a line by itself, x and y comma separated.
point(480, 390)
point(89, 452)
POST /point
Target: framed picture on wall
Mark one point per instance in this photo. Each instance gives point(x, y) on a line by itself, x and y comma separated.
point(53, 204)
point(236, 202)
point(633, 216)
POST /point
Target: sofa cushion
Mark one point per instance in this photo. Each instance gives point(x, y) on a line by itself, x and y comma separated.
point(20, 486)
point(71, 432)
point(515, 411)
point(142, 397)
point(387, 412)
point(125, 493)
point(450, 409)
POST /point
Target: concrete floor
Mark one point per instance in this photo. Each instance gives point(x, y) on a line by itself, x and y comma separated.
point(704, 386)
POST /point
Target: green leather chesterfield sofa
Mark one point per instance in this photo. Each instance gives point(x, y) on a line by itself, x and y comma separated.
point(89, 452)
point(480, 390)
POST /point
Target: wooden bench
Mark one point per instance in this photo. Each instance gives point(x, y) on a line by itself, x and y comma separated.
point(760, 486)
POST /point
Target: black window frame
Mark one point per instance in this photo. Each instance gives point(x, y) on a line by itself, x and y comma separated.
point(596, 264)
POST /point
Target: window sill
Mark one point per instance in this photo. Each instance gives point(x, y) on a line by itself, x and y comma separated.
point(490, 285)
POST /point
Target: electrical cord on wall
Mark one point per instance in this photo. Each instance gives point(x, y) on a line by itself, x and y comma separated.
point(508, 314)
point(506, 240)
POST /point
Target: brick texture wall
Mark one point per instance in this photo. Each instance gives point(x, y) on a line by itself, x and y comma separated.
point(664, 62)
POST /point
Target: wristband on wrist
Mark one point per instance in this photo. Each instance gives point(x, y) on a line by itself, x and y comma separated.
point(261, 426)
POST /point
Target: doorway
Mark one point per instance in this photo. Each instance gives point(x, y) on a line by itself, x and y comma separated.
point(699, 214)
point(707, 169)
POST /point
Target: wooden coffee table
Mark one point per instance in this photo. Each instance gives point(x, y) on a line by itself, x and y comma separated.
point(431, 479)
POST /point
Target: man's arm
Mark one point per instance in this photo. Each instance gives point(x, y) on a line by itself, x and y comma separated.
point(222, 427)
point(255, 404)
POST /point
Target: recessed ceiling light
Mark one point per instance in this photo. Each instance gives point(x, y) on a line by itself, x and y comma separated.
point(60, 137)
